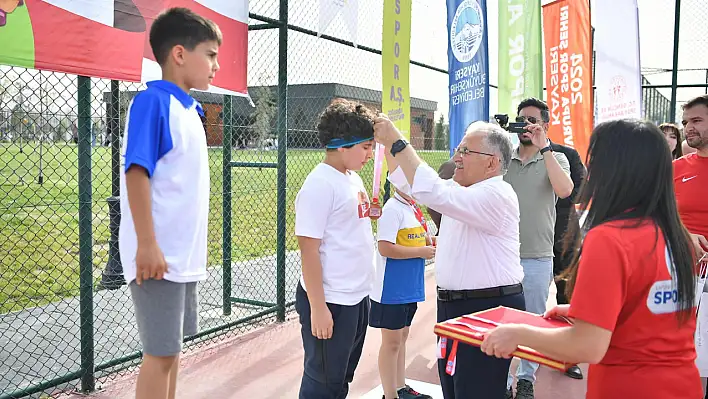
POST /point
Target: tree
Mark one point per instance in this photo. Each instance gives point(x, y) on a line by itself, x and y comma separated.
point(441, 130)
point(263, 115)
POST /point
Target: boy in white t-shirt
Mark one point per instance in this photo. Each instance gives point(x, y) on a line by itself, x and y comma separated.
point(399, 285)
point(164, 185)
point(336, 242)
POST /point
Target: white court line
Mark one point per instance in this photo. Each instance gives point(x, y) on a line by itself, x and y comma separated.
point(423, 387)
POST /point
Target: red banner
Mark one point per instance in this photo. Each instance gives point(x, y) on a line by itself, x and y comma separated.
point(568, 54)
point(109, 38)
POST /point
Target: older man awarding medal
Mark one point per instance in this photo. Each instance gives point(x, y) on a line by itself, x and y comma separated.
point(477, 258)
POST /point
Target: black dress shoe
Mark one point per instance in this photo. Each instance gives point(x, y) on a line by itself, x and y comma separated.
point(575, 373)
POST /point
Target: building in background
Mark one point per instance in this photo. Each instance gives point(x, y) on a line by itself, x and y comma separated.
point(256, 126)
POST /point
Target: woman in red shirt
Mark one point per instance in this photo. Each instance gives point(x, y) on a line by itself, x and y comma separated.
point(632, 282)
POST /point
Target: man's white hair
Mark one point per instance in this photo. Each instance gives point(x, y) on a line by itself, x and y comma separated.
point(496, 140)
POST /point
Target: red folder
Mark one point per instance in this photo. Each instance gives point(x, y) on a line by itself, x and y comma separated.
point(470, 329)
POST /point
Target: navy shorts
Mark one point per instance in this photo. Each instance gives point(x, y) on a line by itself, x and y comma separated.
point(392, 317)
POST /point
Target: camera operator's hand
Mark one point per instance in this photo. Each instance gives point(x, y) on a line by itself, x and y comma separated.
point(538, 135)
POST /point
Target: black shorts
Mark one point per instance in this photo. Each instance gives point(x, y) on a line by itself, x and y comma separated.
point(392, 317)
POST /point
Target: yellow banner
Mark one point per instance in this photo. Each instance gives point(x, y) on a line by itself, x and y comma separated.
point(395, 63)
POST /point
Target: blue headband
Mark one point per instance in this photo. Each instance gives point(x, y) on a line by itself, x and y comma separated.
point(340, 142)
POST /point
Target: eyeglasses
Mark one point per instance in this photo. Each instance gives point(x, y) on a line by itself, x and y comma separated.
point(531, 119)
point(466, 151)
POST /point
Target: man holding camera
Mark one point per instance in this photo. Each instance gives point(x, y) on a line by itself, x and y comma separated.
point(539, 177)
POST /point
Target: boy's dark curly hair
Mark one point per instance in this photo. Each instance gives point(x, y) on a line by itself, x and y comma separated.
point(344, 119)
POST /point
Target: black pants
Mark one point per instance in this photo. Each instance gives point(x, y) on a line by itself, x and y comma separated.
point(476, 374)
point(561, 261)
point(330, 363)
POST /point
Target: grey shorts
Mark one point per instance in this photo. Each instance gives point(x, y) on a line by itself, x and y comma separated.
point(165, 312)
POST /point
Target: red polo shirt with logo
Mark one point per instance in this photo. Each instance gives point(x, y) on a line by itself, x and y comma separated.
point(691, 186)
point(624, 285)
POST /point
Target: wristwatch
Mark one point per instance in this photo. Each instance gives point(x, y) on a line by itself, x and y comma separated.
point(546, 148)
point(398, 146)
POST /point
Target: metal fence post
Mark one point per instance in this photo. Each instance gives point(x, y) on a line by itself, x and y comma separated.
point(227, 117)
point(112, 276)
point(282, 157)
point(88, 380)
point(674, 72)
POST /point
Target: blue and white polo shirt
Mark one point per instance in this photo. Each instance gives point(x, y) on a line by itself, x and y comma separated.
point(399, 281)
point(164, 134)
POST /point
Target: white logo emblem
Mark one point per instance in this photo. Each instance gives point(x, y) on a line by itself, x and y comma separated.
point(685, 179)
point(466, 30)
point(663, 296)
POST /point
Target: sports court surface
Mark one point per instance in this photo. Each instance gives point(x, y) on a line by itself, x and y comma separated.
point(267, 364)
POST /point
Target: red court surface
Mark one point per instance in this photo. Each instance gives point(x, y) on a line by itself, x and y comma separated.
point(267, 364)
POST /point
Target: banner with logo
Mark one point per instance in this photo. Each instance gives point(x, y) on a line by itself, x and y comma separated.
point(395, 64)
point(618, 76)
point(468, 66)
point(109, 38)
point(520, 54)
point(568, 54)
point(349, 9)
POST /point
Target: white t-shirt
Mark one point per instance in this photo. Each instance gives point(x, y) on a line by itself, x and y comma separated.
point(165, 135)
point(334, 207)
point(399, 281)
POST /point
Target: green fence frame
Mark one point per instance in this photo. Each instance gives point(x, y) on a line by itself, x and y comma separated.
point(88, 369)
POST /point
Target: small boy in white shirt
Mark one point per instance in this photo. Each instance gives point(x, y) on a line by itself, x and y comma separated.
point(398, 287)
point(336, 242)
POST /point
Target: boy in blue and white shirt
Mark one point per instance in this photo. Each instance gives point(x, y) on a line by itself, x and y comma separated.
point(398, 287)
point(165, 196)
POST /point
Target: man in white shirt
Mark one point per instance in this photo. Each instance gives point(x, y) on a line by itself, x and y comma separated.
point(477, 260)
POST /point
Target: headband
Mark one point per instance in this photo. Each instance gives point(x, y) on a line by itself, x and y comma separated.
point(342, 142)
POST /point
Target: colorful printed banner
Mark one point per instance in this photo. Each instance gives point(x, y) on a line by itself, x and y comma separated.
point(520, 54)
point(467, 65)
point(109, 38)
point(618, 75)
point(568, 49)
point(395, 64)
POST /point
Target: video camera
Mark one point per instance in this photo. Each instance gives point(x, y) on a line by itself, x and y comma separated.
point(513, 127)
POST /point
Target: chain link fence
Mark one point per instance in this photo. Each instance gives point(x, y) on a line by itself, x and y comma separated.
point(66, 322)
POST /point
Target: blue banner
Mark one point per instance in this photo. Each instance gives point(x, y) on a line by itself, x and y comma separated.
point(468, 66)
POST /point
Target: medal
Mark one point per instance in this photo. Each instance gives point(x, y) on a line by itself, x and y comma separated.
point(375, 211)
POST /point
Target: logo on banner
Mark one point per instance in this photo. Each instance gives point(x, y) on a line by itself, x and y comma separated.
point(466, 30)
point(618, 88)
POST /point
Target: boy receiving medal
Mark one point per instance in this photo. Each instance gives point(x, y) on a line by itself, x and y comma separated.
point(336, 242)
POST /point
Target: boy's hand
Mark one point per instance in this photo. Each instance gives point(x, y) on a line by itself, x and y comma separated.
point(427, 252)
point(321, 322)
point(150, 263)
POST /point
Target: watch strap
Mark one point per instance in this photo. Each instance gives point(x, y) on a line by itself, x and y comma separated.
point(398, 146)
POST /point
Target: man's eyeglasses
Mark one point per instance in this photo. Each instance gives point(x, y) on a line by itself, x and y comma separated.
point(531, 119)
point(466, 151)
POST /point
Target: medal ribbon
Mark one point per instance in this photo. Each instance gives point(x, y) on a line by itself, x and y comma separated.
point(378, 166)
point(419, 215)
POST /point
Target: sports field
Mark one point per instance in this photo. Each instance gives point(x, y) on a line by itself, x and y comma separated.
point(39, 254)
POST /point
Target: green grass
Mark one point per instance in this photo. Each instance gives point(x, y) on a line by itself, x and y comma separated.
point(39, 255)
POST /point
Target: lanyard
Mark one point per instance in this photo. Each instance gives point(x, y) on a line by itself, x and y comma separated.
point(378, 166)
